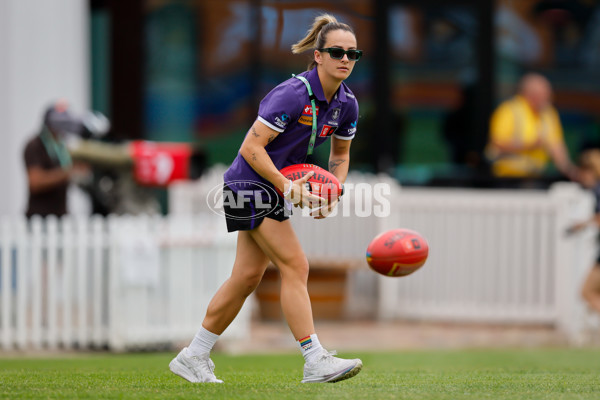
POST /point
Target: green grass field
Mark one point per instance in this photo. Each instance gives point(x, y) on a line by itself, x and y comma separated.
point(473, 374)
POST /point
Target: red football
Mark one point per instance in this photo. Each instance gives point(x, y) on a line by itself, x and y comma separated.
point(397, 252)
point(323, 183)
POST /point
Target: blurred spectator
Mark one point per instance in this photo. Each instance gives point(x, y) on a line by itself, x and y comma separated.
point(590, 178)
point(118, 177)
point(49, 164)
point(526, 133)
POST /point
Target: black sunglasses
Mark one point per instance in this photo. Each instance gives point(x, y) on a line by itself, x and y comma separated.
point(337, 54)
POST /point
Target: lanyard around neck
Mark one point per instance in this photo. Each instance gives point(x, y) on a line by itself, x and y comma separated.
point(57, 151)
point(311, 96)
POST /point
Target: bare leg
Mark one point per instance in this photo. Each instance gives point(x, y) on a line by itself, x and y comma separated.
point(591, 288)
point(248, 269)
point(280, 243)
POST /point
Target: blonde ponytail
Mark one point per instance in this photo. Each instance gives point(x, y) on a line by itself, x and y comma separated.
point(309, 41)
point(317, 35)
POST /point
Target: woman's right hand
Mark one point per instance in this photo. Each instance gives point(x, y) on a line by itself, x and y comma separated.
point(299, 194)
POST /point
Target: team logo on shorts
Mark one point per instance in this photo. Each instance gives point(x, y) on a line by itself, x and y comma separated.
point(259, 196)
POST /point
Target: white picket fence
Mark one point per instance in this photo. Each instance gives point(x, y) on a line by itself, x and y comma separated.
point(142, 282)
point(121, 283)
point(496, 256)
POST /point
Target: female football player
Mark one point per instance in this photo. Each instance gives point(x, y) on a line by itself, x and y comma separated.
point(296, 116)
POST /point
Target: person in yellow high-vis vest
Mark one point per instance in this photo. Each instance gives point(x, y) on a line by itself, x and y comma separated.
point(526, 133)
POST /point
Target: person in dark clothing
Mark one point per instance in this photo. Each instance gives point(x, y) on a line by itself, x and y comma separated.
point(49, 164)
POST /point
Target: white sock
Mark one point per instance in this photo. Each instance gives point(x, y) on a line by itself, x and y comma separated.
point(310, 347)
point(202, 343)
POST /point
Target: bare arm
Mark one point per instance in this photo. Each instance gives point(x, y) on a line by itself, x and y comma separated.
point(339, 162)
point(595, 220)
point(506, 148)
point(560, 157)
point(253, 151)
point(42, 180)
point(339, 158)
point(510, 146)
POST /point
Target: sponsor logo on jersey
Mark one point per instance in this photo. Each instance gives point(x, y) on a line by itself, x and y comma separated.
point(327, 130)
point(304, 120)
point(282, 121)
point(353, 128)
point(307, 110)
point(350, 95)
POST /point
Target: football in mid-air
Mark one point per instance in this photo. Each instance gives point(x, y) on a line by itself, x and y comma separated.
point(323, 183)
point(397, 252)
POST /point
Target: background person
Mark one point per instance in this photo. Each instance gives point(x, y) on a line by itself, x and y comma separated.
point(49, 165)
point(526, 133)
point(590, 178)
point(281, 136)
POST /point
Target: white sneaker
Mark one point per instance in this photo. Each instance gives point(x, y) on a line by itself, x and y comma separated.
point(328, 368)
point(194, 368)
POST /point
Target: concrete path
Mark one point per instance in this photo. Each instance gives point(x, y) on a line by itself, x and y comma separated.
point(388, 336)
